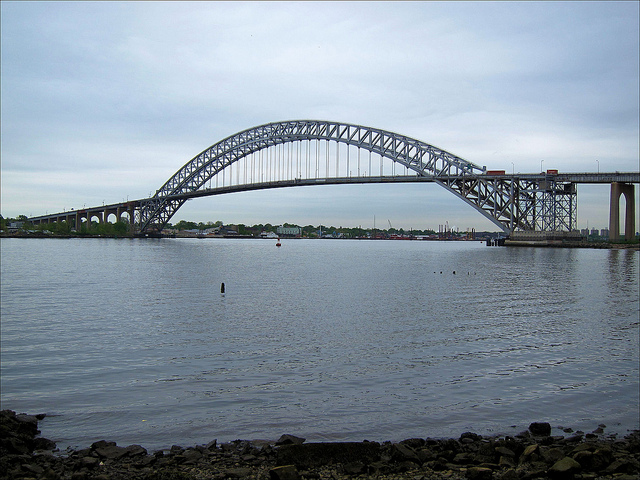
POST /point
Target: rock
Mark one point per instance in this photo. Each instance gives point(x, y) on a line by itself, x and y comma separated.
point(564, 468)
point(540, 429)
point(602, 457)
point(504, 451)
point(284, 472)
point(552, 455)
point(584, 458)
point(212, 445)
point(33, 468)
point(509, 474)
point(463, 458)
point(190, 456)
point(241, 472)
point(43, 444)
point(623, 465)
point(479, 473)
point(572, 439)
point(355, 468)
point(111, 452)
point(290, 440)
point(311, 455)
point(506, 461)
point(101, 444)
point(135, 450)
point(469, 437)
point(402, 453)
point(89, 462)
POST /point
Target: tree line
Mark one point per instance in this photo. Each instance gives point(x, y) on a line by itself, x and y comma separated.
point(122, 228)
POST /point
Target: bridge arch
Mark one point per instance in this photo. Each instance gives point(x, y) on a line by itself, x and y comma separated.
point(423, 159)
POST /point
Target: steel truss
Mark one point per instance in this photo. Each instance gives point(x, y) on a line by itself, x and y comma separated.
point(512, 203)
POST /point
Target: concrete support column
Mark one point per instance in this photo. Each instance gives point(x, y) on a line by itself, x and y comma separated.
point(628, 190)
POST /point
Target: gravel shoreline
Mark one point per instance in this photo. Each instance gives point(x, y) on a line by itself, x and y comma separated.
point(533, 454)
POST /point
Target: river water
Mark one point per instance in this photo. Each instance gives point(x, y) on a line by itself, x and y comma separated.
point(131, 340)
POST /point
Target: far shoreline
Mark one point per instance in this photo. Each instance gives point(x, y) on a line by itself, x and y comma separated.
point(591, 245)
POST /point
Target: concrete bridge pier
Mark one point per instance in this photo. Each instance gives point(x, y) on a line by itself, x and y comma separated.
point(617, 190)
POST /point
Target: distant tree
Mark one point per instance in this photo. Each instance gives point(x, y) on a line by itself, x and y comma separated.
point(120, 228)
point(184, 225)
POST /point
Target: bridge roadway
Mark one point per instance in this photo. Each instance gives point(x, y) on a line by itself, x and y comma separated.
point(130, 207)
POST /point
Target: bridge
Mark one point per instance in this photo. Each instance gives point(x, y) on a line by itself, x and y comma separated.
point(312, 152)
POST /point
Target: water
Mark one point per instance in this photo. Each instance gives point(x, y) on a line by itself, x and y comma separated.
point(132, 341)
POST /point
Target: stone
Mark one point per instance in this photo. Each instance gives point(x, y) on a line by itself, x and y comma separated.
point(505, 451)
point(506, 461)
point(573, 439)
point(43, 444)
point(540, 429)
point(190, 456)
point(552, 455)
point(623, 465)
point(584, 458)
point(102, 443)
point(463, 458)
point(414, 443)
point(212, 445)
point(241, 472)
point(310, 455)
point(33, 468)
point(135, 450)
point(289, 440)
point(602, 457)
point(479, 473)
point(355, 468)
point(530, 450)
point(474, 437)
point(284, 472)
point(564, 468)
point(111, 452)
point(425, 455)
point(402, 452)
point(509, 474)
point(89, 462)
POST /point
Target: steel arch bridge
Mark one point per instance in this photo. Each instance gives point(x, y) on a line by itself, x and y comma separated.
point(511, 204)
point(273, 156)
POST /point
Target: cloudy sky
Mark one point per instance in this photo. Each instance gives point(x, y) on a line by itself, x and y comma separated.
point(104, 101)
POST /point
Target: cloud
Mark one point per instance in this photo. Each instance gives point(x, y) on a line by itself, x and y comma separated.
point(130, 91)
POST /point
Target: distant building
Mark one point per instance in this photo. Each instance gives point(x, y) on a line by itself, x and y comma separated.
point(289, 231)
point(604, 232)
point(15, 226)
point(594, 232)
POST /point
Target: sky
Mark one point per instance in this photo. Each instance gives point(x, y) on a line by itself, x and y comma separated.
point(104, 101)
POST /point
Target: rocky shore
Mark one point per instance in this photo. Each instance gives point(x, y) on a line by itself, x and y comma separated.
point(533, 454)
